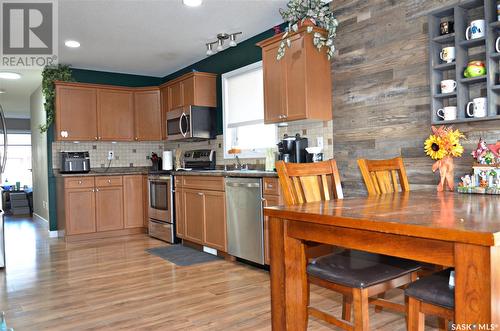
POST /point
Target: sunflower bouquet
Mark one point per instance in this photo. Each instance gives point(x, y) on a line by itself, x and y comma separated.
point(443, 145)
point(444, 141)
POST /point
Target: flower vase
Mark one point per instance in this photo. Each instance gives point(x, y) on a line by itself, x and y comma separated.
point(446, 172)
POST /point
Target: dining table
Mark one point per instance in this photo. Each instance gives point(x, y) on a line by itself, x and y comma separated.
point(443, 228)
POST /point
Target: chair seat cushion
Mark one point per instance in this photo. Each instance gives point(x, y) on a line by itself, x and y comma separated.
point(359, 269)
point(434, 289)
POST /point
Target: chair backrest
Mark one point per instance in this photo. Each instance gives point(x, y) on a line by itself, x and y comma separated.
point(381, 176)
point(309, 182)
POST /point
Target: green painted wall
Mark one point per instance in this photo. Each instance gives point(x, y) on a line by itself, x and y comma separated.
point(230, 59)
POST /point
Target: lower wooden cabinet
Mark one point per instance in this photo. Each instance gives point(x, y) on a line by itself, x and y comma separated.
point(109, 208)
point(133, 204)
point(272, 197)
point(100, 206)
point(201, 211)
point(194, 214)
point(214, 223)
point(80, 211)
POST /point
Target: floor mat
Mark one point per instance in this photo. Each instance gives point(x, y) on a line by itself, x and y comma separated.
point(182, 255)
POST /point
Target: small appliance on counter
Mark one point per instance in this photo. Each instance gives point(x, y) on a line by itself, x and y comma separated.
point(200, 159)
point(314, 154)
point(156, 162)
point(293, 149)
point(74, 162)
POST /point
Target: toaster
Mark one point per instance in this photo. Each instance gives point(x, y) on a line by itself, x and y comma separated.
point(75, 162)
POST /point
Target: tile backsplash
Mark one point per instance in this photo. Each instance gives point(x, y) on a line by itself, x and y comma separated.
point(126, 153)
point(136, 153)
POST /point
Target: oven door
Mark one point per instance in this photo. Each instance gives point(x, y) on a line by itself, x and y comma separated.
point(160, 204)
point(179, 124)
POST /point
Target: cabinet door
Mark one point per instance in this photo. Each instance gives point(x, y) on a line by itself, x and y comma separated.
point(133, 211)
point(145, 200)
point(109, 208)
point(164, 110)
point(180, 221)
point(194, 213)
point(175, 96)
point(187, 88)
point(115, 110)
point(269, 201)
point(205, 91)
point(274, 88)
point(147, 115)
point(80, 211)
point(76, 113)
point(295, 61)
point(214, 226)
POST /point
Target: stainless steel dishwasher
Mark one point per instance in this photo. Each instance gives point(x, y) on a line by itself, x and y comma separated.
point(245, 230)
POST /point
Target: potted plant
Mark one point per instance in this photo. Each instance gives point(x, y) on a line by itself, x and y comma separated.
point(310, 13)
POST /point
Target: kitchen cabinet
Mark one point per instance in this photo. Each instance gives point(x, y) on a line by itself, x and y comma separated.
point(80, 211)
point(109, 208)
point(194, 211)
point(164, 110)
point(133, 205)
point(214, 222)
point(201, 210)
point(297, 87)
point(100, 206)
point(76, 113)
point(147, 115)
point(180, 220)
point(195, 88)
point(115, 115)
point(272, 197)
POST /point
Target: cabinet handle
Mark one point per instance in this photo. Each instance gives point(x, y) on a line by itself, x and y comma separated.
point(263, 199)
point(95, 138)
point(93, 190)
point(136, 138)
point(99, 138)
point(269, 185)
point(200, 194)
point(80, 182)
point(109, 181)
point(97, 190)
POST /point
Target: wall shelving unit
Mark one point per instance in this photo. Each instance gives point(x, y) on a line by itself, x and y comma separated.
point(481, 49)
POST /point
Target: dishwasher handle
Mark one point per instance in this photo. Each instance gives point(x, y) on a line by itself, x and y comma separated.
point(249, 185)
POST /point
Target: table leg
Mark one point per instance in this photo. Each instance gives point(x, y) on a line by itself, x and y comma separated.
point(277, 270)
point(477, 285)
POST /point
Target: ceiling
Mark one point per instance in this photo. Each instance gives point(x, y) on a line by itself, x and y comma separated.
point(146, 37)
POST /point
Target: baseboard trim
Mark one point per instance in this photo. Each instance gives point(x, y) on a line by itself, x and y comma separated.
point(35, 215)
point(56, 234)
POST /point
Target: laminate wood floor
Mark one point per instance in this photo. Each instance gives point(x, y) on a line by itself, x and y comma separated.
point(114, 284)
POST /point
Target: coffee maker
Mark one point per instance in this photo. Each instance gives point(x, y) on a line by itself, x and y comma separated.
point(293, 149)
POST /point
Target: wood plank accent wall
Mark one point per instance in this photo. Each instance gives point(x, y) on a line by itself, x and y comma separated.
point(381, 95)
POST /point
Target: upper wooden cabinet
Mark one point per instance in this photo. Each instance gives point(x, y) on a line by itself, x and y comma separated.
point(192, 89)
point(76, 113)
point(299, 86)
point(115, 114)
point(147, 115)
point(164, 109)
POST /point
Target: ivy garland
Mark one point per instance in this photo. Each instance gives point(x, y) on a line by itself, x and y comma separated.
point(320, 14)
point(50, 74)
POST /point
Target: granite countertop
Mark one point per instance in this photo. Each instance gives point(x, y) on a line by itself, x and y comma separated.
point(227, 173)
point(113, 171)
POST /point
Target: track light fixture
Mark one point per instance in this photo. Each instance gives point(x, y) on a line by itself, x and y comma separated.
point(221, 38)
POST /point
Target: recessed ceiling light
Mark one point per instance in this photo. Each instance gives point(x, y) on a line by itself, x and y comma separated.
point(2, 91)
point(192, 3)
point(9, 75)
point(72, 43)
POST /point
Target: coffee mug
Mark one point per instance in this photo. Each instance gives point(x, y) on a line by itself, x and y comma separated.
point(479, 107)
point(447, 54)
point(448, 113)
point(446, 27)
point(448, 86)
point(475, 29)
point(497, 45)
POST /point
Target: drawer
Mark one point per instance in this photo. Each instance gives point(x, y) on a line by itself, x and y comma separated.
point(79, 182)
point(159, 230)
point(104, 181)
point(211, 183)
point(271, 186)
point(178, 181)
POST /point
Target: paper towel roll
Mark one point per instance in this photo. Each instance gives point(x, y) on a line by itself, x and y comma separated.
point(167, 160)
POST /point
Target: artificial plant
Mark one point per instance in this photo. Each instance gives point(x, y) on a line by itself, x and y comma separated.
point(50, 74)
point(316, 11)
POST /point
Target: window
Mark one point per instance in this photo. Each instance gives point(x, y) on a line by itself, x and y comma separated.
point(18, 166)
point(243, 104)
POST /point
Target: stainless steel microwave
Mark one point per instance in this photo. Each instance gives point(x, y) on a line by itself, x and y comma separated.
point(191, 123)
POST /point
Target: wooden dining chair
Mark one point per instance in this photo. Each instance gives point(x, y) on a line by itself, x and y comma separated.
point(384, 176)
point(430, 295)
point(357, 275)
